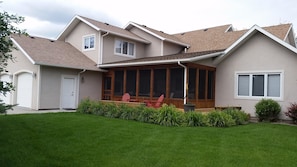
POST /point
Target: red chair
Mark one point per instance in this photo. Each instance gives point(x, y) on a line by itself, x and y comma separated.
point(126, 97)
point(155, 104)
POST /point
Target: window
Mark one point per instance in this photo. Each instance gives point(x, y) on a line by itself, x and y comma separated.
point(124, 48)
point(210, 86)
point(89, 42)
point(259, 85)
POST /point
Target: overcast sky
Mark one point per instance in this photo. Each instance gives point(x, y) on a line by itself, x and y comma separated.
point(48, 18)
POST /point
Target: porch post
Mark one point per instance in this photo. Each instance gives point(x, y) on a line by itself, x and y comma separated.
point(185, 81)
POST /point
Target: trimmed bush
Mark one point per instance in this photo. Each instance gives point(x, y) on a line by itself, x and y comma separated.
point(220, 119)
point(195, 119)
point(85, 106)
point(267, 110)
point(292, 112)
point(147, 114)
point(169, 116)
point(239, 117)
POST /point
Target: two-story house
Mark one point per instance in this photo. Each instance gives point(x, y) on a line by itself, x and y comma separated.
point(216, 66)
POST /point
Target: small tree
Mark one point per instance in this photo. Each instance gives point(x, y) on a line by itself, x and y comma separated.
point(7, 27)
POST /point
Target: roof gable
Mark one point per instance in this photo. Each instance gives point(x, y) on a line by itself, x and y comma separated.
point(99, 26)
point(42, 51)
point(248, 35)
point(158, 34)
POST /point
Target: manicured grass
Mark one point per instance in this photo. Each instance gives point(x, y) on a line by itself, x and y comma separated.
point(73, 139)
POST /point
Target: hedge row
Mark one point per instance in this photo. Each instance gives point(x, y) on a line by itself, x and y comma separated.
point(167, 115)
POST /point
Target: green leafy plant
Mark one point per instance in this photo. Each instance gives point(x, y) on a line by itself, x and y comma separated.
point(195, 119)
point(292, 112)
point(169, 116)
point(220, 119)
point(239, 117)
point(85, 106)
point(147, 114)
point(267, 110)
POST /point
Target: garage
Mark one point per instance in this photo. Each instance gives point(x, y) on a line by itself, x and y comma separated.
point(24, 90)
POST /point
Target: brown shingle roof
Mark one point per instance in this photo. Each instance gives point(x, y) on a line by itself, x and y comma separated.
point(113, 29)
point(217, 38)
point(54, 53)
point(168, 58)
point(162, 34)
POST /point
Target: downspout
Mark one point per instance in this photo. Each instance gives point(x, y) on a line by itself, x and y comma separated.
point(78, 87)
point(101, 47)
point(185, 81)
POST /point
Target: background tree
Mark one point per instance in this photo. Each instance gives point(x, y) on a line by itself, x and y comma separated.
point(8, 27)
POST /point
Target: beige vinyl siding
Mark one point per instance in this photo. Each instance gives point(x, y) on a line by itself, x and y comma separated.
point(75, 38)
point(152, 49)
point(170, 48)
point(109, 53)
point(22, 64)
point(260, 54)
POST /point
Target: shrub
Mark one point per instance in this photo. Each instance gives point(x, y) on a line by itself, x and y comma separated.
point(239, 117)
point(111, 110)
point(147, 114)
point(85, 106)
point(220, 119)
point(168, 115)
point(195, 119)
point(127, 112)
point(292, 112)
point(267, 110)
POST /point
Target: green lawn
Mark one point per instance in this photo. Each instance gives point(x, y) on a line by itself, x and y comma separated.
point(73, 139)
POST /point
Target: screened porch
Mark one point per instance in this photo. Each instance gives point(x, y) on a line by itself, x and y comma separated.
point(150, 82)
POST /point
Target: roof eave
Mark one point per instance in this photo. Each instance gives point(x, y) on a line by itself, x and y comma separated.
point(22, 50)
point(155, 62)
point(249, 34)
point(70, 67)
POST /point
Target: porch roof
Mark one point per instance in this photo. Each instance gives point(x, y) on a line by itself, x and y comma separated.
point(167, 59)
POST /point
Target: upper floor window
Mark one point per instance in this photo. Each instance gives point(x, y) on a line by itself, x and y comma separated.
point(89, 42)
point(263, 85)
point(124, 48)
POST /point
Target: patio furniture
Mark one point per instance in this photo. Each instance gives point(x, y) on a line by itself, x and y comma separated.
point(126, 97)
point(155, 104)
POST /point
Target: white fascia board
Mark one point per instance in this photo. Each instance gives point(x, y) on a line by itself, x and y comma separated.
point(158, 36)
point(23, 51)
point(161, 61)
point(145, 30)
point(250, 33)
point(88, 23)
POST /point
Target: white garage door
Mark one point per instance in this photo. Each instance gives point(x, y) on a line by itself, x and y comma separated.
point(24, 90)
point(5, 99)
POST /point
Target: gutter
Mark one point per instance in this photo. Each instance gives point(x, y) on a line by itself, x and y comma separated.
point(101, 47)
point(111, 65)
point(185, 81)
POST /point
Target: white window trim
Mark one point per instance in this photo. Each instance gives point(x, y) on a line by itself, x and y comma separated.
point(265, 73)
point(125, 55)
point(83, 42)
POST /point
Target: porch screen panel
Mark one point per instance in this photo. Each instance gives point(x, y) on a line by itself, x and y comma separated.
point(177, 83)
point(210, 85)
point(159, 82)
point(144, 82)
point(192, 83)
point(131, 82)
point(119, 82)
point(202, 84)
